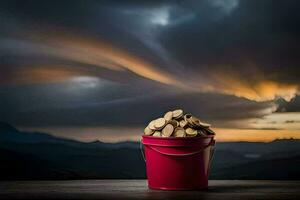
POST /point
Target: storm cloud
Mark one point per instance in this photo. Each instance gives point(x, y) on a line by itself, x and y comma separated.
point(122, 63)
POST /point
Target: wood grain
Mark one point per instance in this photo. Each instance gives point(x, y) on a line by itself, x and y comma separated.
point(137, 189)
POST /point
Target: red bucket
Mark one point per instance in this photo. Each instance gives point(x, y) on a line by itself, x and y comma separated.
point(178, 163)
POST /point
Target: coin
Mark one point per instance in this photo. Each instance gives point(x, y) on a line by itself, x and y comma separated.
point(157, 134)
point(177, 113)
point(186, 116)
point(168, 116)
point(205, 125)
point(182, 123)
point(151, 125)
point(210, 131)
point(201, 133)
point(195, 121)
point(177, 124)
point(179, 132)
point(148, 131)
point(191, 132)
point(159, 123)
point(174, 123)
point(167, 130)
point(190, 121)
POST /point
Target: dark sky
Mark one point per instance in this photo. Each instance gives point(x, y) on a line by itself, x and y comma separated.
point(233, 63)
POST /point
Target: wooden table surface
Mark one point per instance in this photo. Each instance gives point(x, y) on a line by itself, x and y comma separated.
point(137, 189)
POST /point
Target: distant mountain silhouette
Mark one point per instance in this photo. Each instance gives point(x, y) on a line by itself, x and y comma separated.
point(73, 159)
point(279, 169)
point(6, 127)
point(36, 155)
point(10, 134)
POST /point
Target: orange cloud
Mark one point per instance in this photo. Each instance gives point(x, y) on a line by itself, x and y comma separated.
point(256, 89)
point(44, 74)
point(102, 54)
point(285, 120)
point(95, 52)
point(253, 135)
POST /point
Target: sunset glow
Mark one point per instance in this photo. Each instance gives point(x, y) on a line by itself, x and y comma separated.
point(88, 134)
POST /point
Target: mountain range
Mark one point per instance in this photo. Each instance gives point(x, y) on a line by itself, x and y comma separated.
point(41, 156)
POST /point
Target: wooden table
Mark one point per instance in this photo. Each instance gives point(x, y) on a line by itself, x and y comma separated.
point(137, 189)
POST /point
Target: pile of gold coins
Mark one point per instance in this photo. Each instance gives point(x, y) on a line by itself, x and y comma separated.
point(177, 124)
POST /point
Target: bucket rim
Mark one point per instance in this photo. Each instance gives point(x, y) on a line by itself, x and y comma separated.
point(177, 138)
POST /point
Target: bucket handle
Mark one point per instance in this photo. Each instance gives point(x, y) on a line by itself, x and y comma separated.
point(142, 150)
point(211, 143)
point(212, 152)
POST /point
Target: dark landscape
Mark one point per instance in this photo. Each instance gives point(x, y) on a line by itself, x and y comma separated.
point(40, 156)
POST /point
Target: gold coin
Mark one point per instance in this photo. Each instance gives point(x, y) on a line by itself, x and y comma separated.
point(189, 120)
point(151, 125)
point(195, 121)
point(156, 134)
point(159, 123)
point(177, 113)
point(168, 130)
point(209, 131)
point(201, 133)
point(148, 131)
point(183, 123)
point(168, 116)
point(174, 123)
point(191, 132)
point(179, 132)
point(205, 125)
point(186, 116)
